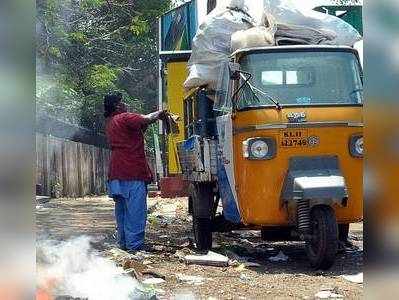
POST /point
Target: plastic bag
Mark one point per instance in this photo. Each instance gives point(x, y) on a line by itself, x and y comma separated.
point(287, 12)
point(302, 35)
point(211, 44)
point(255, 37)
point(359, 47)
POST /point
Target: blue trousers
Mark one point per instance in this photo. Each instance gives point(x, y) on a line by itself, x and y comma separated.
point(130, 212)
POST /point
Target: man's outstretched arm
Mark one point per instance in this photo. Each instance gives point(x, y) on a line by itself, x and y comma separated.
point(155, 116)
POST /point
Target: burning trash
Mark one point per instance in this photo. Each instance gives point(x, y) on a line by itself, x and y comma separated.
point(73, 270)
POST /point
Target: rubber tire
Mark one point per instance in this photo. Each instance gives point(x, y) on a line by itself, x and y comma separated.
point(322, 251)
point(202, 229)
point(343, 232)
point(190, 206)
point(274, 234)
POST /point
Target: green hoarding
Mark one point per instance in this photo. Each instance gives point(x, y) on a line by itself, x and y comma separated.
point(350, 14)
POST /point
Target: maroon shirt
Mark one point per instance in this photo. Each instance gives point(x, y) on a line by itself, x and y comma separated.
point(125, 136)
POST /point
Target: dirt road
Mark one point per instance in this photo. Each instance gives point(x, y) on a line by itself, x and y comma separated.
point(169, 230)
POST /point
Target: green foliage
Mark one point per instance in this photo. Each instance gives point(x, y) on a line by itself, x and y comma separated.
point(91, 3)
point(139, 26)
point(86, 48)
point(78, 37)
point(102, 78)
point(54, 51)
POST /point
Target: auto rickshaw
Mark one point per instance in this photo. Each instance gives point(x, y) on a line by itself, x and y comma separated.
point(280, 144)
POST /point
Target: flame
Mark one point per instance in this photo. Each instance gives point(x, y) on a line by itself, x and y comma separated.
point(42, 294)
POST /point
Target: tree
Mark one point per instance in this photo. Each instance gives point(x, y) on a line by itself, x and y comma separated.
point(86, 48)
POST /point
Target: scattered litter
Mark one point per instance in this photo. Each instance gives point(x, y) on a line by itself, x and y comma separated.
point(249, 264)
point(240, 268)
point(233, 263)
point(153, 281)
point(210, 259)
point(250, 243)
point(141, 255)
point(184, 296)
point(279, 257)
point(233, 256)
point(42, 199)
point(117, 254)
point(185, 244)
point(41, 207)
point(166, 211)
point(159, 248)
point(245, 277)
point(241, 262)
point(132, 272)
point(160, 292)
point(215, 245)
point(180, 254)
point(247, 233)
point(358, 278)
point(328, 295)
point(196, 280)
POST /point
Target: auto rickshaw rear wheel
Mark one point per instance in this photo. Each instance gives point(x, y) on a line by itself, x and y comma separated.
point(202, 229)
point(323, 246)
point(201, 196)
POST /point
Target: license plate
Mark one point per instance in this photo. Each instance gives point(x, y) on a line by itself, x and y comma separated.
point(294, 138)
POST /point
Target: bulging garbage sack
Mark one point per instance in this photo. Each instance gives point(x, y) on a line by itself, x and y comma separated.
point(286, 12)
point(212, 43)
point(287, 34)
point(257, 36)
point(359, 47)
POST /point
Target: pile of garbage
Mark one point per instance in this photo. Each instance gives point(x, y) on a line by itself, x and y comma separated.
point(230, 27)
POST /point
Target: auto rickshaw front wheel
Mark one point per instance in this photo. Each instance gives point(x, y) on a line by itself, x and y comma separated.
point(322, 248)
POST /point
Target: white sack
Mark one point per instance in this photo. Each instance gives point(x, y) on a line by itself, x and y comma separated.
point(255, 37)
point(359, 47)
point(211, 44)
point(287, 12)
point(298, 35)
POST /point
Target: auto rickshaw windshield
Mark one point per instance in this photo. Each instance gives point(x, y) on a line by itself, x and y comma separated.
point(299, 78)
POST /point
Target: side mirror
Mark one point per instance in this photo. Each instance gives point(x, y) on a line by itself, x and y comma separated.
point(234, 69)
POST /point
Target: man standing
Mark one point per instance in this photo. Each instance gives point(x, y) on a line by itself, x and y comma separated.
point(129, 172)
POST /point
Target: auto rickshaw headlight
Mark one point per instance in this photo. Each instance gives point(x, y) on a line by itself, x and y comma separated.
point(356, 146)
point(259, 148)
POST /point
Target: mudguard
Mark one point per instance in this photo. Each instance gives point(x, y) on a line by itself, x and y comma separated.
point(318, 179)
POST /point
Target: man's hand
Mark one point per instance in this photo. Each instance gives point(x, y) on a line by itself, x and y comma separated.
point(163, 115)
point(158, 115)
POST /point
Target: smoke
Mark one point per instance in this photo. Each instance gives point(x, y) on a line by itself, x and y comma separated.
point(72, 268)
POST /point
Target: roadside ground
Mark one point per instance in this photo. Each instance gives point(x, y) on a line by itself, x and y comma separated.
point(250, 274)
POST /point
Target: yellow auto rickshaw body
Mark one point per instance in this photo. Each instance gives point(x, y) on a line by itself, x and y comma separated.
point(259, 183)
